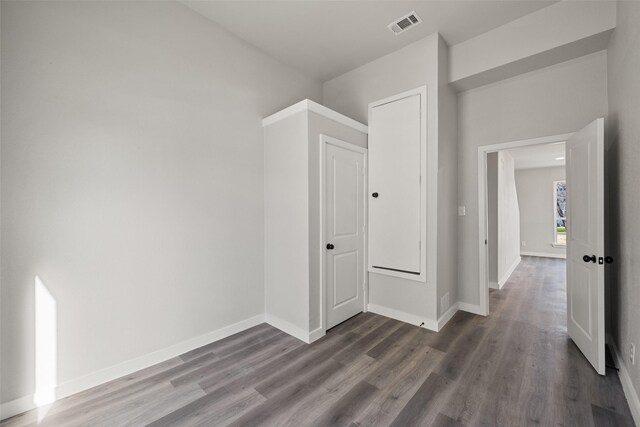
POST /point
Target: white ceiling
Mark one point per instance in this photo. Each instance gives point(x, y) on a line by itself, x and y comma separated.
point(539, 156)
point(325, 39)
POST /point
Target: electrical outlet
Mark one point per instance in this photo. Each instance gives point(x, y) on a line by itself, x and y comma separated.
point(524, 243)
point(632, 354)
point(462, 210)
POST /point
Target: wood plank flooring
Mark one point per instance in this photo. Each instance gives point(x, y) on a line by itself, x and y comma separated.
point(516, 367)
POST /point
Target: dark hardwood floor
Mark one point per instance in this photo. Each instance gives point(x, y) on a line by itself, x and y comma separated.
point(516, 367)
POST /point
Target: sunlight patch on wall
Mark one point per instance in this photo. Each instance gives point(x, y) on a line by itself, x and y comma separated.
point(46, 360)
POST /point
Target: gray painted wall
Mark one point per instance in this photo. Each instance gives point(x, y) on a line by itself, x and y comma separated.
point(447, 183)
point(551, 101)
point(286, 221)
point(132, 168)
point(624, 179)
point(537, 209)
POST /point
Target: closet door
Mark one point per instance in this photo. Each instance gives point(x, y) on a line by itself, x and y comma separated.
point(395, 153)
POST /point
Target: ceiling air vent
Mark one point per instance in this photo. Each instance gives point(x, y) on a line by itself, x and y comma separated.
point(403, 24)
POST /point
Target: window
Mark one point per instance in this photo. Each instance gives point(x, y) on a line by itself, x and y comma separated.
point(560, 215)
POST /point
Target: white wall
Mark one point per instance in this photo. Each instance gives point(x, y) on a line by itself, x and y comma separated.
point(551, 101)
point(537, 209)
point(286, 221)
point(624, 177)
point(132, 168)
point(508, 218)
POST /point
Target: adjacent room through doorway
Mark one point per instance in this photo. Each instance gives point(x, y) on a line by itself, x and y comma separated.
point(526, 207)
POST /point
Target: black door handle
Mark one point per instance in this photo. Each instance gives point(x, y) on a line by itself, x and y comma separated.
point(330, 246)
point(608, 259)
point(588, 258)
point(374, 195)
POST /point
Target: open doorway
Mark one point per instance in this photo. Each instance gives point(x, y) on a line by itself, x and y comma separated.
point(526, 207)
point(485, 153)
point(578, 213)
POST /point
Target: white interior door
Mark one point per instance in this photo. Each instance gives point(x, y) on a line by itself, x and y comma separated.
point(585, 242)
point(344, 230)
point(395, 183)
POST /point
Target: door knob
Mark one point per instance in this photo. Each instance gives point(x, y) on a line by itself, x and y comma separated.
point(374, 195)
point(588, 258)
point(608, 259)
point(330, 246)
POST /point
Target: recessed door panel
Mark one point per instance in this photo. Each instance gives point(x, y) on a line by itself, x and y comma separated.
point(346, 276)
point(581, 298)
point(395, 178)
point(345, 196)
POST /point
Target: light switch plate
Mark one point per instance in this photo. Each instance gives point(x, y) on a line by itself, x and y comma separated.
point(462, 210)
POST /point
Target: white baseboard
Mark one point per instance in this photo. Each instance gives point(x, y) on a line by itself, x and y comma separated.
point(290, 328)
point(17, 406)
point(627, 386)
point(509, 272)
point(470, 308)
point(543, 254)
point(403, 316)
point(25, 403)
point(446, 316)
point(316, 334)
point(495, 285)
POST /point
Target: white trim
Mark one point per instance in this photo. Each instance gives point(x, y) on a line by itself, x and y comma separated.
point(428, 191)
point(625, 379)
point(17, 406)
point(470, 308)
point(324, 140)
point(483, 281)
point(446, 316)
point(288, 327)
point(505, 276)
point(76, 385)
point(316, 334)
point(494, 285)
point(559, 245)
point(544, 254)
point(309, 105)
point(404, 316)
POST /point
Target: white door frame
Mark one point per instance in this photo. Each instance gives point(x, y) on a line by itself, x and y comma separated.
point(482, 206)
point(324, 141)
